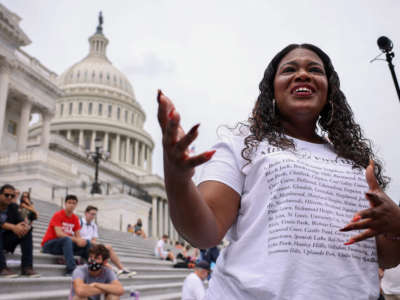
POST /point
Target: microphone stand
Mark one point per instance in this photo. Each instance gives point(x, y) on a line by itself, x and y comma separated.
point(389, 57)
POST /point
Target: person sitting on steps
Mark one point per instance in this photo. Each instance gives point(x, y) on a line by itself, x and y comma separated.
point(13, 231)
point(89, 232)
point(160, 252)
point(63, 235)
point(94, 279)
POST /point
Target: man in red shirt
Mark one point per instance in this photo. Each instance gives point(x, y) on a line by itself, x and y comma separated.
point(63, 237)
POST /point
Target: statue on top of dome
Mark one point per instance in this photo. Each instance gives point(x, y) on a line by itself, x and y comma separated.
point(99, 28)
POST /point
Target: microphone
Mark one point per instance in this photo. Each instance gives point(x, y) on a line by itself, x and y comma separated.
point(385, 44)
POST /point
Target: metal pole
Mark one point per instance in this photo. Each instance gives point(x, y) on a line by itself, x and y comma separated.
point(389, 57)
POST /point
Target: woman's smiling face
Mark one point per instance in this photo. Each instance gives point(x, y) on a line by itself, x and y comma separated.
point(300, 85)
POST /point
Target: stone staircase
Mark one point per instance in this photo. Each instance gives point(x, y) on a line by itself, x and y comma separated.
point(155, 279)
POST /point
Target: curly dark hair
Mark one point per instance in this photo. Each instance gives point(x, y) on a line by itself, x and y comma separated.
point(336, 119)
point(99, 250)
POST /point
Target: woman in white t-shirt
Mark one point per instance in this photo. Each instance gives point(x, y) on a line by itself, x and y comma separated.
point(282, 194)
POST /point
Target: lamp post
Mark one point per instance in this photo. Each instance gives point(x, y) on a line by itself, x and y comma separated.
point(96, 156)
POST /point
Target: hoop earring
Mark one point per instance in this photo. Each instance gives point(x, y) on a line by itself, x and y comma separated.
point(332, 112)
point(273, 107)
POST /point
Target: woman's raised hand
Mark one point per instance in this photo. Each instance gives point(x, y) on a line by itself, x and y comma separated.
point(177, 161)
point(383, 216)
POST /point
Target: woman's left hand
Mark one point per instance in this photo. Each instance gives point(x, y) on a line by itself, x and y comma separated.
point(383, 217)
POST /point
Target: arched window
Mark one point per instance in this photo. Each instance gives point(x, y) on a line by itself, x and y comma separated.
point(118, 113)
point(100, 109)
point(90, 110)
point(109, 111)
point(80, 108)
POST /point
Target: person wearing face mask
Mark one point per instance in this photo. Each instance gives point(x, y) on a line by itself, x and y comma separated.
point(89, 232)
point(287, 188)
point(94, 279)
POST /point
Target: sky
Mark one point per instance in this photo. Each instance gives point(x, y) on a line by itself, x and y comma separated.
point(209, 56)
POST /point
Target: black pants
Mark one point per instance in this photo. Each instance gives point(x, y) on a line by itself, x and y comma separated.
point(9, 241)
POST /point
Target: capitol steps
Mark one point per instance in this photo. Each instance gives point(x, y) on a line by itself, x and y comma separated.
point(155, 279)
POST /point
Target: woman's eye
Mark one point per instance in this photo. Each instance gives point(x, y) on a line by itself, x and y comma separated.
point(288, 69)
point(317, 70)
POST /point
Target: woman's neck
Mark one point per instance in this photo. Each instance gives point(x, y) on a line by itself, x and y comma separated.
point(302, 131)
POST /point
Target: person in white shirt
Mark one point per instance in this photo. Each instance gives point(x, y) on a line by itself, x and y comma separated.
point(281, 188)
point(193, 288)
point(89, 232)
point(159, 251)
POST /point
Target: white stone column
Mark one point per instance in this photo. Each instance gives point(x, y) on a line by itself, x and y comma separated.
point(127, 150)
point(22, 135)
point(69, 135)
point(81, 140)
point(149, 162)
point(92, 147)
point(105, 142)
point(175, 233)
point(117, 148)
point(170, 231)
point(144, 155)
point(154, 218)
point(166, 217)
point(132, 152)
point(4, 81)
point(141, 155)
point(136, 153)
point(160, 217)
point(113, 149)
point(45, 139)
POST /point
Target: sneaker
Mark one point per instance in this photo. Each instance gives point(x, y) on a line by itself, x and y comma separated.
point(7, 273)
point(29, 272)
point(125, 273)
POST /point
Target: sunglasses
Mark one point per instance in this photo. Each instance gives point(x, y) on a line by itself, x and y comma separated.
point(9, 195)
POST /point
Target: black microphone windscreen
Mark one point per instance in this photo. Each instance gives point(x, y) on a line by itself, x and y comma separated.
point(385, 44)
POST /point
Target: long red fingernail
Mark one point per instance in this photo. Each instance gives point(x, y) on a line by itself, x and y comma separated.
point(194, 128)
point(159, 93)
point(349, 242)
point(356, 218)
point(171, 113)
point(209, 154)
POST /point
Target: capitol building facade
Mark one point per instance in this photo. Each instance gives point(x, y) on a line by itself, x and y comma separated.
point(49, 124)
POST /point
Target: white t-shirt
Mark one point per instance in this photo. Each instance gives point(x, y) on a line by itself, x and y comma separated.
point(88, 230)
point(391, 281)
point(160, 248)
point(285, 243)
point(193, 288)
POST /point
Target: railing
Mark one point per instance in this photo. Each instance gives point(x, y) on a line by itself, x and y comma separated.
point(35, 154)
point(108, 188)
